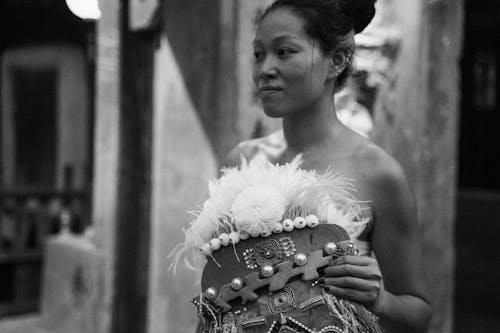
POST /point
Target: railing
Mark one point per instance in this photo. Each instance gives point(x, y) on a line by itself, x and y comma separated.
point(27, 218)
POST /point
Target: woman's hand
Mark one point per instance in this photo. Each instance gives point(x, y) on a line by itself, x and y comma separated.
point(356, 278)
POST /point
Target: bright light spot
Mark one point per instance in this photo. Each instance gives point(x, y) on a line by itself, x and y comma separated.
point(85, 9)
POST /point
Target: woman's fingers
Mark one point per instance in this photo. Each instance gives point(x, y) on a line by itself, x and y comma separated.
point(364, 297)
point(353, 260)
point(364, 272)
point(351, 283)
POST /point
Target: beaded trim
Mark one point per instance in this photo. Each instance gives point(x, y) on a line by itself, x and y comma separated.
point(294, 324)
point(234, 237)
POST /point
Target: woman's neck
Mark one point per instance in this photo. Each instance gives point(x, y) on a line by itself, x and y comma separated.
point(310, 128)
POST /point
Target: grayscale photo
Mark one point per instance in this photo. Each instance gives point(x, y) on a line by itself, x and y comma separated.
point(249, 166)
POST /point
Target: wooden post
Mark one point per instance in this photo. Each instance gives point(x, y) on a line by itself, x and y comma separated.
point(122, 172)
point(416, 120)
point(106, 151)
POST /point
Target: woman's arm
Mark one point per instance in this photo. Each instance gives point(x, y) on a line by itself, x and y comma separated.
point(400, 301)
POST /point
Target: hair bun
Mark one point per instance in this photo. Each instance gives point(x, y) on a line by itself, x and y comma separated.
point(361, 12)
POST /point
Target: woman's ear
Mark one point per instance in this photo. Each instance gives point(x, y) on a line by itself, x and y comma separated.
point(338, 62)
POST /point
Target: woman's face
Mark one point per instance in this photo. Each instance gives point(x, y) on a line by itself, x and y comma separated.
point(290, 71)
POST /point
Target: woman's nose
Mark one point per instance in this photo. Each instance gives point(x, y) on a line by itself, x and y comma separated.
point(268, 69)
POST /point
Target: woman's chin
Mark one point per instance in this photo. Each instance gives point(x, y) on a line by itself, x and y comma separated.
point(273, 112)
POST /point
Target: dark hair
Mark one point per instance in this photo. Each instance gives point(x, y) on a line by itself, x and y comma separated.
point(333, 23)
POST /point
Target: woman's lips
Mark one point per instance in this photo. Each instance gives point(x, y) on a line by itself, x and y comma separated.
point(269, 91)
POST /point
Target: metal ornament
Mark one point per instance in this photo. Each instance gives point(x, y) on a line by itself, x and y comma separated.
point(267, 271)
point(237, 283)
point(300, 259)
point(210, 293)
point(330, 248)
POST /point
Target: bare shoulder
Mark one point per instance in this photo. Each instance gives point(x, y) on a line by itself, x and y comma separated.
point(379, 168)
point(269, 147)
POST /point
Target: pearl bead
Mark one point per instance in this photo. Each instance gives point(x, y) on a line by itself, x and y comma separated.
point(267, 271)
point(312, 221)
point(278, 228)
point(211, 293)
point(234, 237)
point(288, 225)
point(299, 222)
point(254, 233)
point(206, 249)
point(330, 248)
point(224, 239)
point(266, 233)
point(215, 244)
point(300, 259)
point(237, 283)
point(243, 235)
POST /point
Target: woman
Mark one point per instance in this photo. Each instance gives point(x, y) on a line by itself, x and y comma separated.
point(303, 52)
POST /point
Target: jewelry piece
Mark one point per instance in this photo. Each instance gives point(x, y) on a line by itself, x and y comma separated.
point(267, 271)
point(299, 222)
point(300, 259)
point(312, 221)
point(278, 228)
point(210, 293)
point(269, 252)
point(243, 235)
point(254, 233)
point(237, 283)
point(312, 302)
point(288, 225)
point(234, 237)
point(205, 249)
point(288, 246)
point(215, 244)
point(330, 248)
point(266, 233)
point(251, 322)
point(224, 239)
point(283, 301)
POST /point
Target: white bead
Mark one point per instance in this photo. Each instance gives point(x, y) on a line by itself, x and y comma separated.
point(277, 228)
point(267, 271)
point(224, 239)
point(254, 233)
point(299, 222)
point(206, 249)
point(300, 259)
point(288, 225)
point(266, 233)
point(234, 237)
point(215, 244)
point(312, 221)
point(211, 293)
point(237, 284)
point(330, 248)
point(243, 235)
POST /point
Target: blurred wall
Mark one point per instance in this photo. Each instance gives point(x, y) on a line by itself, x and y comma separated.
point(416, 121)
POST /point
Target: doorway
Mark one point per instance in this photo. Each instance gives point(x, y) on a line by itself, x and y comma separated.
point(478, 204)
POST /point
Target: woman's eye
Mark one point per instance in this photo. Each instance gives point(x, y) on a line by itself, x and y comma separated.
point(284, 52)
point(257, 55)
